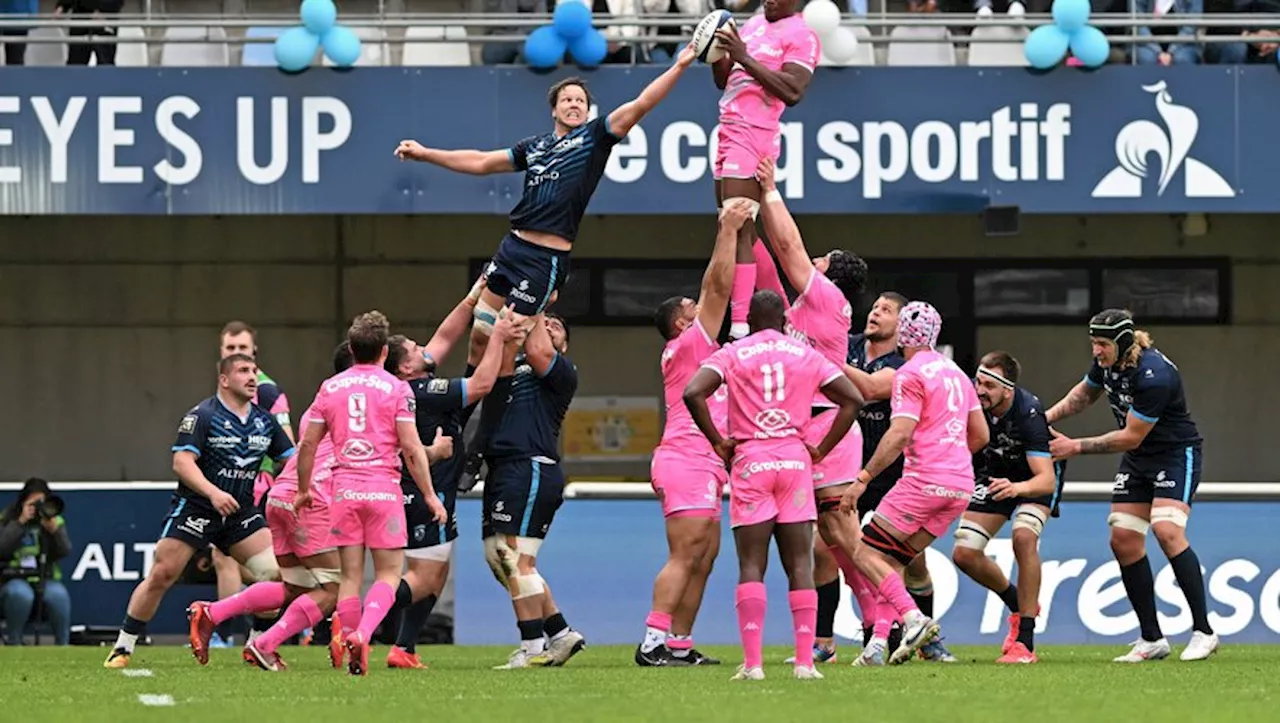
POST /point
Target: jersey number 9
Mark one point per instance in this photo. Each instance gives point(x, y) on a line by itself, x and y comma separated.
point(356, 419)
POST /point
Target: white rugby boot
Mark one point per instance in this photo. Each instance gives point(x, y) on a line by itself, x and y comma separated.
point(1202, 645)
point(1145, 650)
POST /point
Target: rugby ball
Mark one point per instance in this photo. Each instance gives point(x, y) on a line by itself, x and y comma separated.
point(704, 36)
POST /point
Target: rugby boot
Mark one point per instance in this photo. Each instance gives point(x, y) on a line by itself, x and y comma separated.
point(200, 630)
point(398, 657)
point(1145, 650)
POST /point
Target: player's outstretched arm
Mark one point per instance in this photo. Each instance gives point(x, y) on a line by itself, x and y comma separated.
point(782, 232)
point(841, 391)
point(538, 349)
point(874, 387)
point(787, 84)
point(476, 163)
point(627, 115)
point(717, 282)
point(455, 325)
point(1077, 400)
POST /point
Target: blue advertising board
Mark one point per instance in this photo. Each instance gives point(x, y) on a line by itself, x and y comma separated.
point(602, 555)
point(864, 140)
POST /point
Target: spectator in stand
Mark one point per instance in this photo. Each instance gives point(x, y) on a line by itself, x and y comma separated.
point(33, 537)
point(1156, 53)
point(15, 52)
point(1240, 53)
point(79, 53)
point(508, 53)
point(664, 53)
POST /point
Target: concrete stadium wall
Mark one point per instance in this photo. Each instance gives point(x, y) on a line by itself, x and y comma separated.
point(108, 326)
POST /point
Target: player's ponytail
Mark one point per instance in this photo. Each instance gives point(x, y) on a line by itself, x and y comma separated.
point(1141, 340)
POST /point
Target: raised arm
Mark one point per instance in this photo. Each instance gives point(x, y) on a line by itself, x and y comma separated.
point(781, 230)
point(627, 115)
point(481, 381)
point(717, 282)
point(457, 323)
point(476, 163)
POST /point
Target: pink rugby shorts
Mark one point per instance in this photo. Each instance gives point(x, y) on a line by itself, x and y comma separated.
point(913, 505)
point(303, 536)
point(740, 148)
point(771, 483)
point(689, 484)
point(369, 514)
point(844, 462)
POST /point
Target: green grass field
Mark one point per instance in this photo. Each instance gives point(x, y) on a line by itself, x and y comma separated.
point(1070, 684)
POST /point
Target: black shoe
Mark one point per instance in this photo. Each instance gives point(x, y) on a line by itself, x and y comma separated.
point(659, 657)
point(472, 473)
point(895, 639)
point(697, 658)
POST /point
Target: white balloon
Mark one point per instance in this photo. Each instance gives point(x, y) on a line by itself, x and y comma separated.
point(822, 16)
point(840, 46)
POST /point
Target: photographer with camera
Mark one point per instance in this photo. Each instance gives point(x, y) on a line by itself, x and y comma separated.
point(33, 537)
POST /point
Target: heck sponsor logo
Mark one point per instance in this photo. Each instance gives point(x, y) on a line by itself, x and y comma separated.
point(1171, 145)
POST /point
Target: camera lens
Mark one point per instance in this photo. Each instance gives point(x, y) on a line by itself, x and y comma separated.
point(52, 506)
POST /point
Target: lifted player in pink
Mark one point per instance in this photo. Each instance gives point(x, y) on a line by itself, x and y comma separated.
point(766, 69)
point(939, 423)
point(687, 475)
point(369, 415)
point(772, 380)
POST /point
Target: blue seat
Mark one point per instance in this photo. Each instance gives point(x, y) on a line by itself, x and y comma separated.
point(260, 54)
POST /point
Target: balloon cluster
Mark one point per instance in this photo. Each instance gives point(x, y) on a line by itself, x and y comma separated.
point(839, 44)
point(1047, 45)
point(296, 47)
point(570, 30)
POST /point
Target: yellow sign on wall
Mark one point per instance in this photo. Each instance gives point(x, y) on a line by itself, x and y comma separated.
point(611, 429)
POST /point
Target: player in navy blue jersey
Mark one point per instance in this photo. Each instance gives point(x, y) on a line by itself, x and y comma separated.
point(441, 407)
point(1158, 475)
point(1015, 479)
point(220, 447)
point(525, 486)
point(562, 169)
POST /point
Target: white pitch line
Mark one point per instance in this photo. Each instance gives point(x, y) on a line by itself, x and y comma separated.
point(136, 673)
point(156, 700)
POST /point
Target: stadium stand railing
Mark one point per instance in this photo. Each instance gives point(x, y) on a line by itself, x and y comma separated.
point(454, 39)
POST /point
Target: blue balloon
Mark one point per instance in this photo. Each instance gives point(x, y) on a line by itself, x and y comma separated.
point(1071, 15)
point(295, 49)
point(319, 16)
point(544, 48)
point(572, 19)
point(1090, 46)
point(590, 49)
point(341, 46)
point(1046, 46)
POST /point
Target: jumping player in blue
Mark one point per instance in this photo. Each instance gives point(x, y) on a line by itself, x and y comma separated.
point(221, 444)
point(1015, 479)
point(1158, 476)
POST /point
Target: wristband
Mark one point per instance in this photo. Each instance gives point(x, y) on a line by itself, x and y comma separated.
point(773, 196)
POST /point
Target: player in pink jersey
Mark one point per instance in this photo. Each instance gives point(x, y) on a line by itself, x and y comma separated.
point(305, 552)
point(369, 414)
point(821, 316)
point(766, 68)
point(688, 476)
point(937, 424)
point(772, 380)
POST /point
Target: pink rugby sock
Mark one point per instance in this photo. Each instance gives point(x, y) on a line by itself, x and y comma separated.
point(257, 598)
point(895, 592)
point(301, 614)
point(767, 272)
point(744, 284)
point(659, 621)
point(884, 618)
point(863, 591)
point(377, 603)
point(349, 614)
point(751, 604)
point(804, 618)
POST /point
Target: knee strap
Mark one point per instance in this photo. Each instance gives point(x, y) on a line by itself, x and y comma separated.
point(755, 205)
point(529, 585)
point(876, 538)
point(1172, 515)
point(970, 535)
point(263, 566)
point(1030, 517)
point(299, 577)
point(327, 575)
point(501, 559)
point(484, 316)
point(1126, 521)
